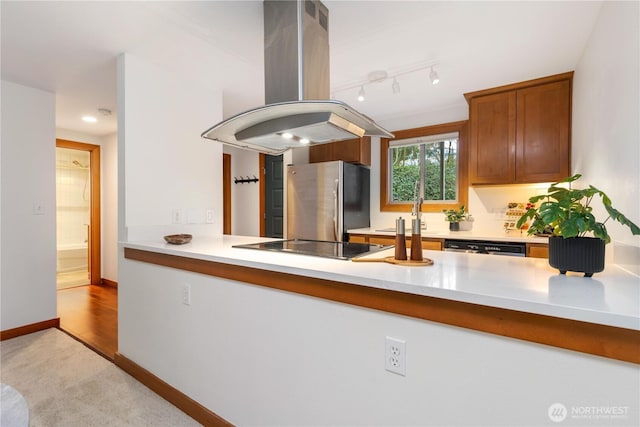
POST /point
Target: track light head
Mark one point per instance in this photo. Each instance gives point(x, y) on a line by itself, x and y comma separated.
point(395, 86)
point(433, 75)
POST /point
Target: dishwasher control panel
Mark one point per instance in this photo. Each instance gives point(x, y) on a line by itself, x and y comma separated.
point(486, 247)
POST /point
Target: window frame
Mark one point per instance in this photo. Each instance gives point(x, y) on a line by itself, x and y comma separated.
point(463, 167)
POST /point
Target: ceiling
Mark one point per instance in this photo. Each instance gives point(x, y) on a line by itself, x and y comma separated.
point(70, 48)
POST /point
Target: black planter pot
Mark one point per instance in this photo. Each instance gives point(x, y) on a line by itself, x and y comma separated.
point(581, 254)
point(454, 226)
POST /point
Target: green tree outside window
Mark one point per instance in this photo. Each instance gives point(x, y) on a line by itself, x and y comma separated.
point(440, 164)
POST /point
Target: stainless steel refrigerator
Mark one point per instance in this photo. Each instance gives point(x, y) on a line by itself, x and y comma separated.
point(326, 199)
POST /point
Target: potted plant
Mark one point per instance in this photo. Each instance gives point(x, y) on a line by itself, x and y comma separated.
point(454, 217)
point(578, 239)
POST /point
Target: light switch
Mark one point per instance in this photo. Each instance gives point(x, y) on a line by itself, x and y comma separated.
point(177, 216)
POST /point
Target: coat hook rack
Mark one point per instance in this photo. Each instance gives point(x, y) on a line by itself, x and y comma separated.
point(242, 180)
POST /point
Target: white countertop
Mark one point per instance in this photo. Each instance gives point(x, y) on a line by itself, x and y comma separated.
point(500, 236)
point(611, 297)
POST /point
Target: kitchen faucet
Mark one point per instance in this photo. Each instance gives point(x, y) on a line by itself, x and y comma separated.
point(418, 202)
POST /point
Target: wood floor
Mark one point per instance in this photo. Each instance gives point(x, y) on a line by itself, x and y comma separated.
point(90, 314)
point(72, 279)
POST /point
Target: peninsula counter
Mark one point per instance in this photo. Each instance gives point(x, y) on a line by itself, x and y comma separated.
point(268, 338)
point(517, 297)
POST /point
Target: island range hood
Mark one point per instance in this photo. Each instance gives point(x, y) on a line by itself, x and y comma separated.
point(298, 111)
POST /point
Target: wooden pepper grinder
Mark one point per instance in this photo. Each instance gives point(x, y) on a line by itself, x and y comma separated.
point(401, 246)
point(416, 240)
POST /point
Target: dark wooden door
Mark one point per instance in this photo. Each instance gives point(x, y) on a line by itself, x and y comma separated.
point(274, 207)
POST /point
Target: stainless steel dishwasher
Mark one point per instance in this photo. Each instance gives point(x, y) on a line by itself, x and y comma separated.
point(486, 247)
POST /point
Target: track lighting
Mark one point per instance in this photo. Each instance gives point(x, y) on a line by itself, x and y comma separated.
point(395, 86)
point(434, 76)
point(381, 76)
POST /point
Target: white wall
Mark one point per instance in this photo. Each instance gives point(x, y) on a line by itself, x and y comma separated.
point(72, 135)
point(28, 276)
point(245, 198)
point(164, 163)
point(257, 356)
point(109, 204)
point(109, 195)
point(606, 129)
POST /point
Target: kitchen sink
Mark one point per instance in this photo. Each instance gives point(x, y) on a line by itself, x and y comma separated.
point(407, 231)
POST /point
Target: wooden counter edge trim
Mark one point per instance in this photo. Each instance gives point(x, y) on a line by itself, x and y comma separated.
point(29, 329)
point(172, 395)
point(601, 340)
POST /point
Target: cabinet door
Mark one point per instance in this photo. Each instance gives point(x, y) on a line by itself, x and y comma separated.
point(358, 238)
point(352, 151)
point(492, 121)
point(537, 250)
point(432, 244)
point(382, 240)
point(542, 136)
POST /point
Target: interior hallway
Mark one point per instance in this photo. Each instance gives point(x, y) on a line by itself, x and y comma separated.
point(90, 314)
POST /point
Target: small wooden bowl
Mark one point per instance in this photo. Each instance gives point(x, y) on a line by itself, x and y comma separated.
point(178, 239)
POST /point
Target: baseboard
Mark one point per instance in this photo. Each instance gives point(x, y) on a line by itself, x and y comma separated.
point(189, 406)
point(29, 329)
point(109, 283)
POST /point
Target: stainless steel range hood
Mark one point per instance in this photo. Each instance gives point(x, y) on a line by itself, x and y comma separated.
point(298, 110)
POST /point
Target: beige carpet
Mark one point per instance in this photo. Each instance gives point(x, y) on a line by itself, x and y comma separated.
point(67, 384)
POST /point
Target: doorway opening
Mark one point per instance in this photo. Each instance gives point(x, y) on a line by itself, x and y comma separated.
point(77, 214)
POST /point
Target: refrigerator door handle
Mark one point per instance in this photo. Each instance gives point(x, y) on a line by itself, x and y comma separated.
point(335, 210)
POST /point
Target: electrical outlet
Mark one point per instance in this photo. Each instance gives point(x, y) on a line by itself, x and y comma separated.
point(395, 355)
point(186, 294)
point(209, 216)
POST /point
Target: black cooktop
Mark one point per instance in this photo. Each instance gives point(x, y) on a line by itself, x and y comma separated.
point(338, 250)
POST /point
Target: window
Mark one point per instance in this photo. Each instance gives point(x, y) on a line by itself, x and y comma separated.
point(435, 158)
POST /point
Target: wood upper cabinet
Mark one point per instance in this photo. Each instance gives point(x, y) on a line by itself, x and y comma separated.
point(492, 157)
point(521, 133)
point(356, 150)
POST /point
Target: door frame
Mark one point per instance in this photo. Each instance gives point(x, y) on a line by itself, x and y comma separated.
point(226, 193)
point(94, 216)
point(262, 211)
